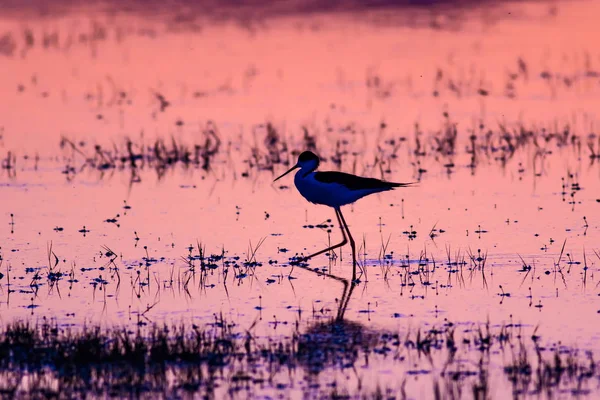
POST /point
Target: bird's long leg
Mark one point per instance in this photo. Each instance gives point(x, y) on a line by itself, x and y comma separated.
point(345, 300)
point(338, 214)
point(341, 216)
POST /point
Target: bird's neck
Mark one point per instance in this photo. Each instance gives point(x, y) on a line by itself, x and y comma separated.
point(305, 172)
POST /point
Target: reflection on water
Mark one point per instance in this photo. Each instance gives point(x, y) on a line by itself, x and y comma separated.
point(137, 159)
point(336, 342)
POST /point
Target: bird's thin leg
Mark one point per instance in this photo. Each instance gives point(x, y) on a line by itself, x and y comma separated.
point(351, 245)
point(345, 300)
point(343, 242)
point(341, 308)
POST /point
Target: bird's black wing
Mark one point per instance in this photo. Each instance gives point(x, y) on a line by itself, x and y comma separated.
point(354, 182)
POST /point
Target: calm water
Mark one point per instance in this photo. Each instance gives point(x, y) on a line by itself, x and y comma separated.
point(495, 118)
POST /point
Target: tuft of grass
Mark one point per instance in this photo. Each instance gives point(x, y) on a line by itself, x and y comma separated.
point(220, 357)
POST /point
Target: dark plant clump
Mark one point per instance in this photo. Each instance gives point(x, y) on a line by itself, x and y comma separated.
point(218, 360)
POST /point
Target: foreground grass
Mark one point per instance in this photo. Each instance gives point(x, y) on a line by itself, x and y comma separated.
point(324, 361)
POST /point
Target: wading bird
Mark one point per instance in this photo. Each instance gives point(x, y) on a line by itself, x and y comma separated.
point(334, 189)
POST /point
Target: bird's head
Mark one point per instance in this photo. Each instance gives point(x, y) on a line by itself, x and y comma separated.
point(307, 160)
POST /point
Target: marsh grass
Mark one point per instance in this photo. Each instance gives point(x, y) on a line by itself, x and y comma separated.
point(221, 359)
point(446, 149)
point(422, 274)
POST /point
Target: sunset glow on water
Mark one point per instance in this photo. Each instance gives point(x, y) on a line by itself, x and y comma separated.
point(139, 149)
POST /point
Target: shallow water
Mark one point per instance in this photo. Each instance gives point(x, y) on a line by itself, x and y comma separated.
point(501, 227)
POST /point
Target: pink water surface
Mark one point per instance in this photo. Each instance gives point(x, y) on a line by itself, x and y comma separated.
point(340, 77)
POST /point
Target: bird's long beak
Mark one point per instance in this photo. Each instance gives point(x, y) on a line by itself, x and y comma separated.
point(288, 171)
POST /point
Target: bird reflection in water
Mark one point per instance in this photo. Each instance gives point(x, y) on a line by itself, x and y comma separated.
point(337, 342)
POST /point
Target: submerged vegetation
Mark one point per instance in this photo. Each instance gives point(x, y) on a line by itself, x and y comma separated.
point(315, 358)
point(221, 360)
point(447, 149)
